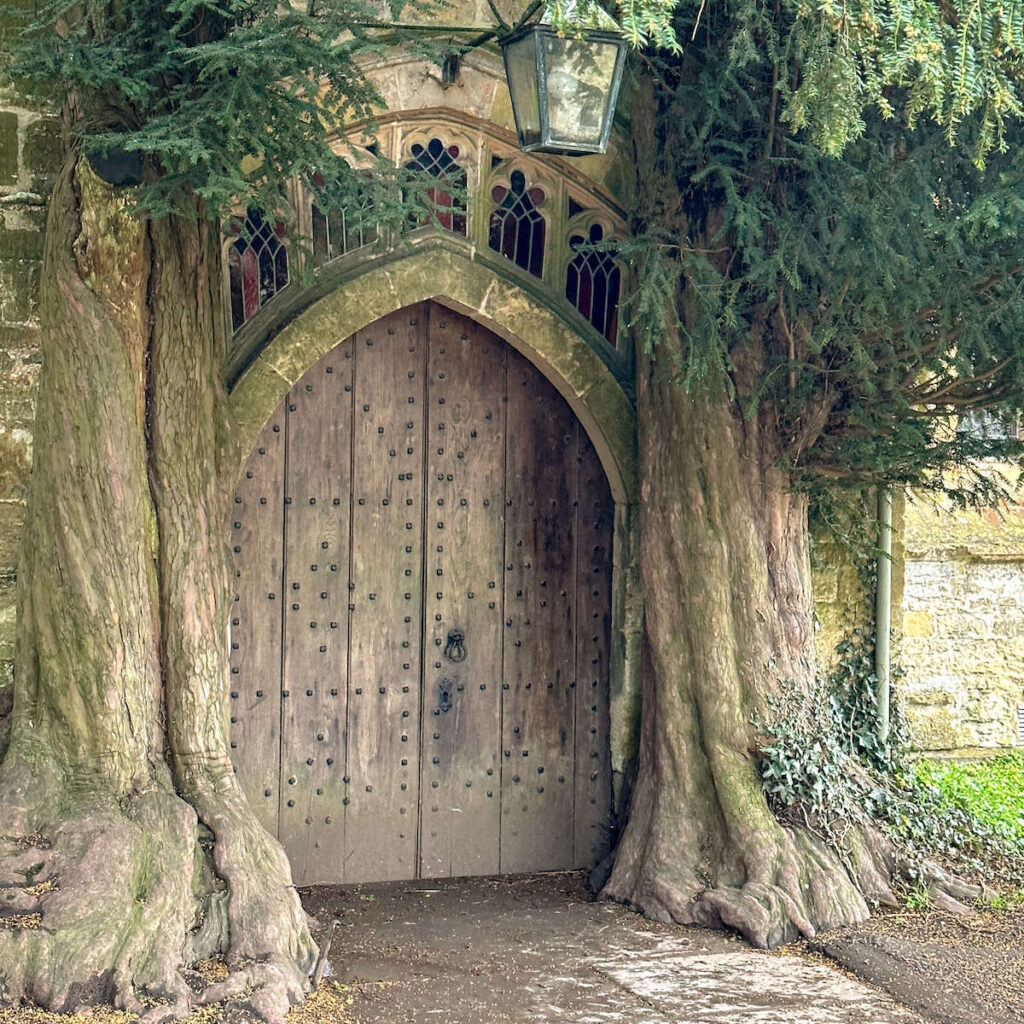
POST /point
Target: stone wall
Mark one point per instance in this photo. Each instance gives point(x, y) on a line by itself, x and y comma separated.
point(842, 602)
point(963, 628)
point(28, 153)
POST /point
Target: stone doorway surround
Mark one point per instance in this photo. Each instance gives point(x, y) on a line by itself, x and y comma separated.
point(444, 271)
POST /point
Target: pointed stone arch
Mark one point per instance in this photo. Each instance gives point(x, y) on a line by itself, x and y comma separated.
point(452, 278)
point(444, 273)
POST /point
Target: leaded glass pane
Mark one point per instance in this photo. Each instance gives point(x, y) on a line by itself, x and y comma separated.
point(517, 227)
point(592, 283)
point(257, 266)
point(448, 197)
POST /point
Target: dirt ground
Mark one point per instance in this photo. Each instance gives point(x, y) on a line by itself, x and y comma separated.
point(532, 949)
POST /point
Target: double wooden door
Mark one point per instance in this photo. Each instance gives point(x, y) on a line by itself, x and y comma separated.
point(420, 629)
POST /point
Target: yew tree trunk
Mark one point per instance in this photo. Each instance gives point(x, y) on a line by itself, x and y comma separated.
point(728, 620)
point(728, 613)
point(127, 850)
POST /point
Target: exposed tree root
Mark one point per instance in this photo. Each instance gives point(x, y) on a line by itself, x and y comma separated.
point(794, 885)
point(113, 923)
point(128, 894)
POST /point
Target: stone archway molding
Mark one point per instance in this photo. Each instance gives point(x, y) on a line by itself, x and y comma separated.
point(455, 280)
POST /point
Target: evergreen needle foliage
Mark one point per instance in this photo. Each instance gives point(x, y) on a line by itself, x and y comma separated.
point(859, 291)
point(227, 102)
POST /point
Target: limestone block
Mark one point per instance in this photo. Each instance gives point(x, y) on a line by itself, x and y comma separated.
point(8, 624)
point(42, 151)
point(15, 462)
point(936, 728)
point(19, 289)
point(934, 695)
point(918, 624)
point(12, 514)
point(825, 584)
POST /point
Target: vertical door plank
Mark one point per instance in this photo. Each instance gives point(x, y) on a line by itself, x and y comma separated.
point(386, 587)
point(463, 541)
point(538, 744)
point(313, 694)
point(595, 522)
point(256, 541)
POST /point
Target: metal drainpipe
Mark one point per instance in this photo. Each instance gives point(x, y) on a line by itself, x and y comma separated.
point(883, 611)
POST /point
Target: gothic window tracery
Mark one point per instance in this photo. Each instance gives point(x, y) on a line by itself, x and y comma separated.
point(541, 217)
point(257, 266)
point(517, 228)
point(441, 162)
point(593, 281)
point(338, 231)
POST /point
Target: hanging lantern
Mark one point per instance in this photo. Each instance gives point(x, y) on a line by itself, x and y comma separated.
point(564, 86)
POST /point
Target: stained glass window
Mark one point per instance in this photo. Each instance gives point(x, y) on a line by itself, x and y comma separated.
point(257, 266)
point(517, 227)
point(440, 161)
point(592, 283)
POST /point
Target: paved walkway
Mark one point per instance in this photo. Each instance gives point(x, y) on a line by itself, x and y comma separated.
point(528, 950)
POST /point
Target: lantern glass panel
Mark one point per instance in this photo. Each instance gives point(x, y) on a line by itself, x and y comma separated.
point(521, 71)
point(580, 81)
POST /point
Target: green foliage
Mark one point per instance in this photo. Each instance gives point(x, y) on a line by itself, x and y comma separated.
point(823, 766)
point(864, 288)
point(1006, 899)
point(917, 897)
point(992, 790)
point(951, 62)
point(226, 102)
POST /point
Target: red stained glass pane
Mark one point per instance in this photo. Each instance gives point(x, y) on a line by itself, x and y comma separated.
point(257, 265)
point(517, 228)
point(592, 284)
point(250, 282)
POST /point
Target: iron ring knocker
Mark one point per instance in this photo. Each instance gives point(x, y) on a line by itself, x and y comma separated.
point(455, 647)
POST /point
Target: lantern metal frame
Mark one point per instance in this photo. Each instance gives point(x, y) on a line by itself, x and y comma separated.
point(546, 142)
point(601, 30)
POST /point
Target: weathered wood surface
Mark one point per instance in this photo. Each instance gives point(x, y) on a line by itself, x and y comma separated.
point(315, 666)
point(595, 518)
point(256, 540)
point(540, 610)
point(454, 491)
point(463, 557)
point(386, 598)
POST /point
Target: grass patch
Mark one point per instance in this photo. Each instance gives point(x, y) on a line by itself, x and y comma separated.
point(992, 791)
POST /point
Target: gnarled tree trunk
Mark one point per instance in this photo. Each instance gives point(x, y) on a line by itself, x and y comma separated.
point(126, 847)
point(728, 620)
point(725, 575)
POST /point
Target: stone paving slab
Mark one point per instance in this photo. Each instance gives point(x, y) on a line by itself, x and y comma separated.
point(534, 949)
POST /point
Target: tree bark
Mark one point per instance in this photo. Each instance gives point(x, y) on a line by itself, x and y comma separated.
point(725, 573)
point(126, 846)
point(728, 620)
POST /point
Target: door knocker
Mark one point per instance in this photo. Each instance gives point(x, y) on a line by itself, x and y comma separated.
point(455, 647)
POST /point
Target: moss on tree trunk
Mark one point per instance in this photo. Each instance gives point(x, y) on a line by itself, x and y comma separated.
point(726, 583)
point(117, 789)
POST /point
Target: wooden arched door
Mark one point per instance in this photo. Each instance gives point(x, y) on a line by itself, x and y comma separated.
point(420, 631)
